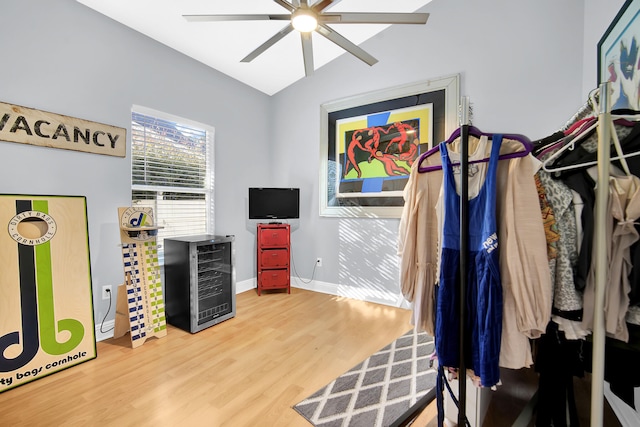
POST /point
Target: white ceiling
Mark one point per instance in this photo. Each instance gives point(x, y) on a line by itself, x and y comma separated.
point(221, 45)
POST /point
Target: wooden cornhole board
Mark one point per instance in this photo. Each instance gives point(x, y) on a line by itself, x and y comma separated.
point(139, 303)
point(46, 301)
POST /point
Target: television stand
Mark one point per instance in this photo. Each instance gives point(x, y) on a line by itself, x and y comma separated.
point(273, 257)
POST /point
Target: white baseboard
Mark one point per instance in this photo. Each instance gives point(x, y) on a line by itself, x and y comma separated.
point(314, 285)
point(107, 326)
point(246, 285)
point(363, 294)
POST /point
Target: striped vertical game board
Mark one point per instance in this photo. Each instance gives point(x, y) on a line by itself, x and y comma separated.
point(145, 303)
point(156, 299)
point(135, 303)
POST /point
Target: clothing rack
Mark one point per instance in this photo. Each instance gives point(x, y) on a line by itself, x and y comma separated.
point(415, 410)
point(412, 412)
point(464, 250)
point(602, 195)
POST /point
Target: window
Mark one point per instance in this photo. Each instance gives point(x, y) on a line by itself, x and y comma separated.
point(172, 172)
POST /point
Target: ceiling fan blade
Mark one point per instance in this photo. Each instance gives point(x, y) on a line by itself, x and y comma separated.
point(266, 45)
point(307, 53)
point(374, 18)
point(210, 18)
point(290, 7)
point(345, 44)
point(296, 3)
point(322, 5)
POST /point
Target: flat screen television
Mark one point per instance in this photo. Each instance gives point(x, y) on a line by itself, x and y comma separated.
point(274, 203)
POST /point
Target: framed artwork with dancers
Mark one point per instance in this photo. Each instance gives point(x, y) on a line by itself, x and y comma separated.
point(369, 142)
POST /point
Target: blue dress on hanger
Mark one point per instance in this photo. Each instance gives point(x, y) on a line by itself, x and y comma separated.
point(483, 320)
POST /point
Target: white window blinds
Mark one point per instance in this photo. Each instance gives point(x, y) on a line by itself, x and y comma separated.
point(172, 172)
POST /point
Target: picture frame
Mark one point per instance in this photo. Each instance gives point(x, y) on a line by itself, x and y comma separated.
point(368, 143)
point(618, 53)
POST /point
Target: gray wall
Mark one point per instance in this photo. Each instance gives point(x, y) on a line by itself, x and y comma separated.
point(521, 64)
point(65, 58)
point(527, 67)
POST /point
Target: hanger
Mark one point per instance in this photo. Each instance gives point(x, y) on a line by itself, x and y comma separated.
point(571, 145)
point(586, 110)
point(595, 162)
point(580, 121)
point(581, 124)
point(594, 98)
point(474, 131)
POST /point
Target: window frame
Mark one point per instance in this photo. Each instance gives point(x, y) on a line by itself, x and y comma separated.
point(209, 178)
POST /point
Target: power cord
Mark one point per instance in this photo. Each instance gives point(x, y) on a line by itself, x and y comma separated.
point(313, 273)
point(105, 316)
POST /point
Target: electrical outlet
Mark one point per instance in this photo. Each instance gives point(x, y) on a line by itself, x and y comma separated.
point(106, 292)
point(319, 262)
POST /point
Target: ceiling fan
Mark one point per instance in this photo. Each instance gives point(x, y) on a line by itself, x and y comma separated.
point(305, 18)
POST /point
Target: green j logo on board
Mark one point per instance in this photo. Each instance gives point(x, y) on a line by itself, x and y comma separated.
point(46, 317)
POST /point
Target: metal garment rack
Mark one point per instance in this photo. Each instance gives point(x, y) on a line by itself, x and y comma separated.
point(464, 252)
point(414, 410)
point(602, 196)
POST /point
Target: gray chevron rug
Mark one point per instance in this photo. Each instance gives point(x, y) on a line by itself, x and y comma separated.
point(377, 391)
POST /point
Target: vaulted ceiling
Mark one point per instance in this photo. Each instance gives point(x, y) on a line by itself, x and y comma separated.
point(223, 44)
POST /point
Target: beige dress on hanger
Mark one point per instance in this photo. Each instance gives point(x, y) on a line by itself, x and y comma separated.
point(418, 243)
point(524, 268)
point(624, 209)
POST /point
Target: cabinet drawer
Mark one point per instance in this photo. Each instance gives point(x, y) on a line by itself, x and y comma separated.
point(270, 258)
point(274, 278)
point(274, 237)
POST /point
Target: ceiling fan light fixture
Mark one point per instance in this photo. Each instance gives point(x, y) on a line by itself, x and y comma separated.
point(304, 20)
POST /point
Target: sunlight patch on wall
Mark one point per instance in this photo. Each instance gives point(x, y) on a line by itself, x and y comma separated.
point(368, 261)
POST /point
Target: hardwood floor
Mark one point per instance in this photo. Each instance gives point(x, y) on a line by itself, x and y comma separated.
point(246, 371)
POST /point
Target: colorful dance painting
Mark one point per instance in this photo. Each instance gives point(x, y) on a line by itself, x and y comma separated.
point(369, 142)
point(376, 151)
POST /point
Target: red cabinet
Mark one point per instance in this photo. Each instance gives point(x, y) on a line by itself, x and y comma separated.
point(273, 257)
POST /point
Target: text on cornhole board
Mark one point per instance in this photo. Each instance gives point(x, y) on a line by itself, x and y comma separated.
point(46, 298)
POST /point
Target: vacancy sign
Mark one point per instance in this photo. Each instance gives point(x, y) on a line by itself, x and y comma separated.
point(29, 126)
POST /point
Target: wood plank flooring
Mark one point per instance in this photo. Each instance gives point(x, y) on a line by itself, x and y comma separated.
point(246, 371)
